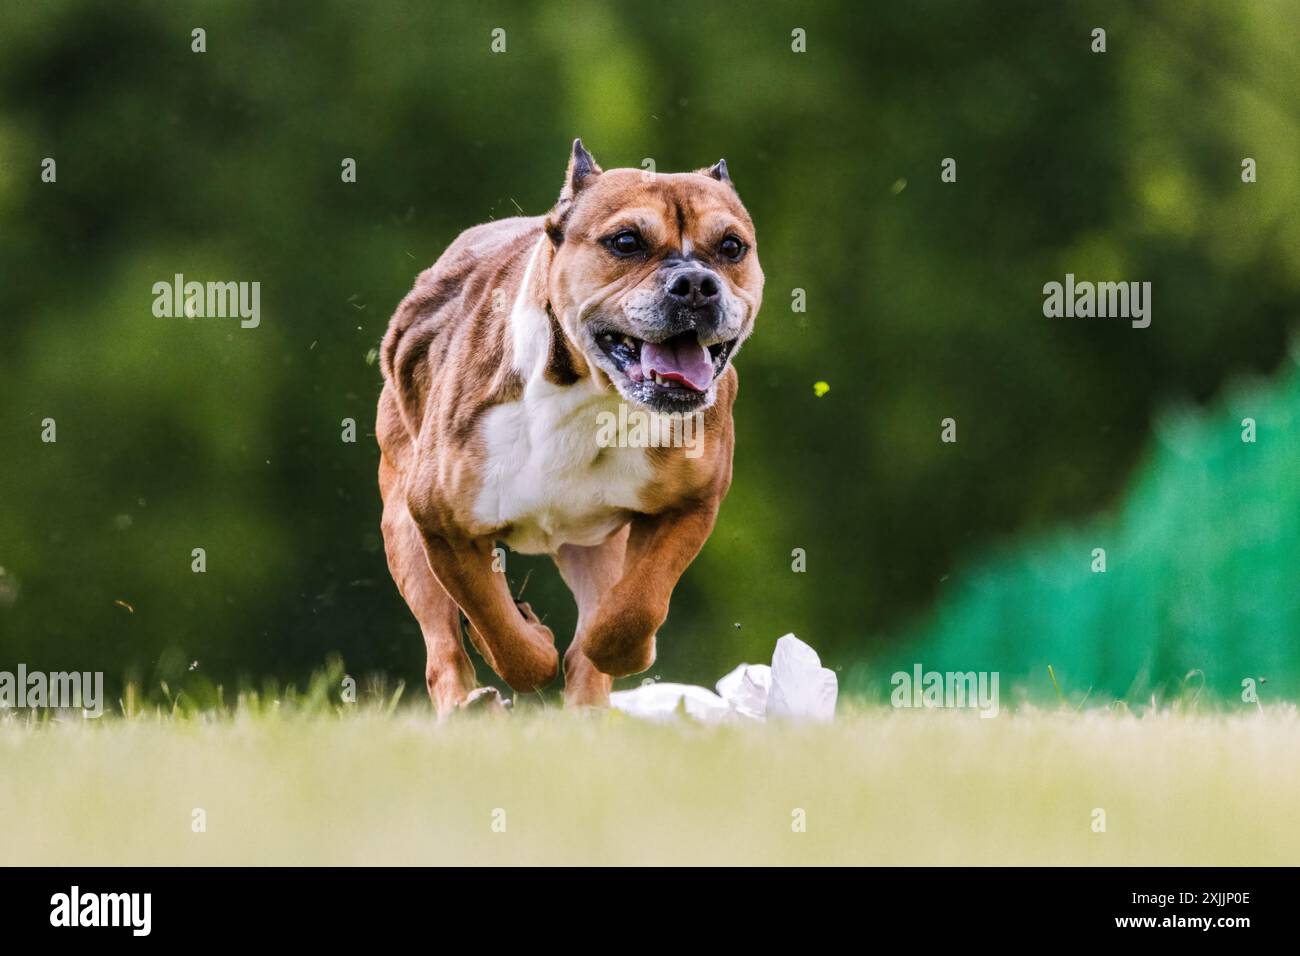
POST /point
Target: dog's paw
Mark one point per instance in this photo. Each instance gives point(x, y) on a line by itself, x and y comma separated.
point(623, 658)
point(622, 641)
point(486, 700)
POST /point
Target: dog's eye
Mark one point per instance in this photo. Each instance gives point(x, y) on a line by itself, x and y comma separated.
point(732, 248)
point(625, 243)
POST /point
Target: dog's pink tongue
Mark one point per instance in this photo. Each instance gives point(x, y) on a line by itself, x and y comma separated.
point(682, 359)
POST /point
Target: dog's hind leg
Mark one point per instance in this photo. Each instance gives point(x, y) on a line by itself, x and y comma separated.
point(590, 573)
point(448, 673)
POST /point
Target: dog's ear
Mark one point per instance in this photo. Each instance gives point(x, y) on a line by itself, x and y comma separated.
point(582, 170)
point(719, 172)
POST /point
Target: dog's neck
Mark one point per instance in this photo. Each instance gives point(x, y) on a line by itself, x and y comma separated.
point(540, 346)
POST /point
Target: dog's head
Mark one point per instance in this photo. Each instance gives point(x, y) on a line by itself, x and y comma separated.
point(655, 278)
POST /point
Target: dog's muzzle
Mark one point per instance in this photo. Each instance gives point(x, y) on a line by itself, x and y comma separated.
point(674, 359)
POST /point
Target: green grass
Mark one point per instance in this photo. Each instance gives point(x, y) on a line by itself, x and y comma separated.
point(308, 782)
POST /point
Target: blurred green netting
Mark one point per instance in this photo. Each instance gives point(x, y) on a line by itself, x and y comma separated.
point(1201, 574)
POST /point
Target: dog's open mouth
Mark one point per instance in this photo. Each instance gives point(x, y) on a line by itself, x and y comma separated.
point(676, 369)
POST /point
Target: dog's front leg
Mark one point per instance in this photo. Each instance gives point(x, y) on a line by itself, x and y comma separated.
point(660, 547)
point(520, 649)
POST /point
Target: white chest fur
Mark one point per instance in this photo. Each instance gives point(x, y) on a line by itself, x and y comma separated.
point(547, 473)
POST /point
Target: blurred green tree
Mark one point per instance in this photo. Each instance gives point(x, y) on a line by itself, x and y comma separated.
point(923, 297)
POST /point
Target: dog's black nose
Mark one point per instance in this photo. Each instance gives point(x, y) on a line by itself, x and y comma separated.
point(694, 287)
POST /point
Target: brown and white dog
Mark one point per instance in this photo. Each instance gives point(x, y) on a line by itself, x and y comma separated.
point(501, 367)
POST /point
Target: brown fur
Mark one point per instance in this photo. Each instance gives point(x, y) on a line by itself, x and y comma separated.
point(448, 360)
